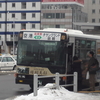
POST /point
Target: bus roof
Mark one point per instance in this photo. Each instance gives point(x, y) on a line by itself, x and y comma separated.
point(57, 30)
point(70, 32)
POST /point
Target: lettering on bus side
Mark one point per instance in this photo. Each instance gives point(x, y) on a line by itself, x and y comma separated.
point(39, 72)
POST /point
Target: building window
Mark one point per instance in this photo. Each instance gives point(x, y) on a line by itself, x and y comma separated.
point(23, 26)
point(93, 20)
point(57, 15)
point(13, 25)
point(99, 20)
point(33, 25)
point(33, 4)
point(85, 19)
point(83, 46)
point(13, 4)
point(23, 15)
point(62, 15)
point(62, 26)
point(54, 6)
point(53, 15)
point(0, 15)
point(48, 15)
point(0, 4)
point(23, 5)
point(93, 1)
point(33, 15)
point(57, 26)
point(0, 25)
point(13, 15)
point(0, 37)
point(93, 11)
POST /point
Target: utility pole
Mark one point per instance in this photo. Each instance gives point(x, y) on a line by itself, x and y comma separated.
point(13, 37)
point(72, 18)
point(5, 26)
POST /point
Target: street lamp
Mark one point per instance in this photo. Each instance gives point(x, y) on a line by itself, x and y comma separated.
point(5, 45)
point(14, 35)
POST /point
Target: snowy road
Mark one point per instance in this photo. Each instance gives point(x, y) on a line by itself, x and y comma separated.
point(8, 88)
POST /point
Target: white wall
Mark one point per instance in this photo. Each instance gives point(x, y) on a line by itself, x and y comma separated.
point(2, 8)
point(18, 16)
point(88, 7)
point(2, 37)
point(2, 17)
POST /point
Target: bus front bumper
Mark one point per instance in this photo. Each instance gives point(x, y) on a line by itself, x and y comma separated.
point(29, 79)
point(24, 79)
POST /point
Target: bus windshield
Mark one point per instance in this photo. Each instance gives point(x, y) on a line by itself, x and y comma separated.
point(41, 53)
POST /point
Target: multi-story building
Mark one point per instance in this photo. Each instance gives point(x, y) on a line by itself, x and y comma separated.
point(62, 13)
point(92, 8)
point(14, 16)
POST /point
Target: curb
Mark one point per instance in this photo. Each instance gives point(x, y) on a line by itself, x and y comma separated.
point(97, 91)
point(11, 98)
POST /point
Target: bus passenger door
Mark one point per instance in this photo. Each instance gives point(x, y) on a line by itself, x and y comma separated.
point(69, 64)
point(70, 56)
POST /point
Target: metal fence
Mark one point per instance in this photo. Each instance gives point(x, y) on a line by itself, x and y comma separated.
point(57, 83)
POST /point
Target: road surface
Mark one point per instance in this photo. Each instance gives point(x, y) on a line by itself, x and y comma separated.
point(8, 88)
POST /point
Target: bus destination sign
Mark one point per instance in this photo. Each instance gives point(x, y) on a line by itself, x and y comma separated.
point(41, 36)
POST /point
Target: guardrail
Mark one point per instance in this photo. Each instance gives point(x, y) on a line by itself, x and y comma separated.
point(57, 76)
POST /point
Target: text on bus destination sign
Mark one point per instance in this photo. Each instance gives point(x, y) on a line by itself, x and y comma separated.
point(41, 36)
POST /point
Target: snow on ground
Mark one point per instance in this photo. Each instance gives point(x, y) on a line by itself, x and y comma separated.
point(50, 93)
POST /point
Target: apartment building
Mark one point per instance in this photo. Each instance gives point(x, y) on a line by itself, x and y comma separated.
point(14, 16)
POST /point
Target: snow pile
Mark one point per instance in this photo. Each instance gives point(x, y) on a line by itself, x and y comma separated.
point(48, 92)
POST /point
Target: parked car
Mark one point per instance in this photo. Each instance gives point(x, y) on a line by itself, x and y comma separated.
point(7, 62)
point(15, 57)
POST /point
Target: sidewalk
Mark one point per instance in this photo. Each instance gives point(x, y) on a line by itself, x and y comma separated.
point(7, 72)
point(97, 90)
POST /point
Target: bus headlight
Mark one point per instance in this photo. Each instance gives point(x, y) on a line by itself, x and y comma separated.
point(21, 76)
point(22, 70)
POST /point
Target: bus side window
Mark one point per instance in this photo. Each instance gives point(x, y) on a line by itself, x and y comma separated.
point(88, 44)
